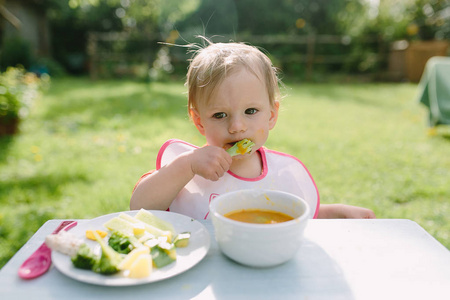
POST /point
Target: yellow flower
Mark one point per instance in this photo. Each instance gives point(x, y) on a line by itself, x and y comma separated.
point(34, 149)
point(174, 34)
point(300, 23)
point(432, 131)
point(412, 29)
point(121, 137)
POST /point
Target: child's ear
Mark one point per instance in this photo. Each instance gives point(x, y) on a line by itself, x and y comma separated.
point(274, 115)
point(197, 120)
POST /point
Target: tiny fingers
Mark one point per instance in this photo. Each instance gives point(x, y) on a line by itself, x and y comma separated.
point(371, 215)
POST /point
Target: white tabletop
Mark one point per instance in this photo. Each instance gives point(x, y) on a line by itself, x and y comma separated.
point(340, 259)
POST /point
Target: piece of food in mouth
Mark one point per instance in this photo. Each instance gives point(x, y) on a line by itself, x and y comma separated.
point(242, 147)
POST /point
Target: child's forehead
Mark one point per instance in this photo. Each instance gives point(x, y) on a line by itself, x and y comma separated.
point(225, 87)
point(218, 62)
point(247, 70)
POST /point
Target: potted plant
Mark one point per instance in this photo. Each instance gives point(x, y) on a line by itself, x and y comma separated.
point(428, 33)
point(18, 89)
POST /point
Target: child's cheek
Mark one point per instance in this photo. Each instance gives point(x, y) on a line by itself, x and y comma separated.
point(260, 133)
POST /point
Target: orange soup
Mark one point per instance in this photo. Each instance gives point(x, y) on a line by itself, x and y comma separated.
point(258, 216)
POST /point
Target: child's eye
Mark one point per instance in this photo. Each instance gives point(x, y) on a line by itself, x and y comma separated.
point(219, 115)
point(251, 111)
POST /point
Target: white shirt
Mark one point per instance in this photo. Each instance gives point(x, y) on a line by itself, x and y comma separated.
point(280, 172)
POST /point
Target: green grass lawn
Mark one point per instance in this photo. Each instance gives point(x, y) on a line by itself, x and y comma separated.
point(86, 143)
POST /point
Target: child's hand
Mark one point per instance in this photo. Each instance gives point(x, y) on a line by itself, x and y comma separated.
point(343, 211)
point(210, 162)
point(355, 212)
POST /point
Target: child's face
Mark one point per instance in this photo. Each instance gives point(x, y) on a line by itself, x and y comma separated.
point(238, 109)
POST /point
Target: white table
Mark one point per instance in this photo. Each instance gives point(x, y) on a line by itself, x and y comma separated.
point(340, 259)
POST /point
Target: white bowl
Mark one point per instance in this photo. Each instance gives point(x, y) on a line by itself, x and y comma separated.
point(259, 245)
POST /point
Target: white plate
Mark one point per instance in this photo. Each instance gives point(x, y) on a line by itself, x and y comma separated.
point(186, 257)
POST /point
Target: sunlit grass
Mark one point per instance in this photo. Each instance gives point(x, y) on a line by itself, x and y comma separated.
point(86, 143)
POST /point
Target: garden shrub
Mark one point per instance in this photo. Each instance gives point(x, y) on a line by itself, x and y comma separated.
point(18, 89)
point(15, 51)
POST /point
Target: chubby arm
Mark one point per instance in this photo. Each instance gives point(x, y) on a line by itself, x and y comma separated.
point(343, 211)
point(158, 190)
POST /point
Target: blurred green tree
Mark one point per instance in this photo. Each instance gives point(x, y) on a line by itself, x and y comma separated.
point(429, 19)
point(72, 20)
point(366, 25)
point(265, 17)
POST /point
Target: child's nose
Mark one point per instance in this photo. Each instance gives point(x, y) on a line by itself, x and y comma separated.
point(237, 124)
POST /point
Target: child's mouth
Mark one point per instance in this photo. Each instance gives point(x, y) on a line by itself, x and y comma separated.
point(240, 147)
point(231, 144)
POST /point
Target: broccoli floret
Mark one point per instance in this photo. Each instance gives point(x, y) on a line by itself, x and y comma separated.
point(109, 260)
point(85, 258)
point(242, 147)
point(122, 243)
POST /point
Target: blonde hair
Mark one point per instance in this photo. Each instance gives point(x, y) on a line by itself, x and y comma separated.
point(210, 65)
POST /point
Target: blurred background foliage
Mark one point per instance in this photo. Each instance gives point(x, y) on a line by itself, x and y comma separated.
point(358, 33)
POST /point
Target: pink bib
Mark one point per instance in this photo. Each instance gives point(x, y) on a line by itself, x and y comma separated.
point(280, 172)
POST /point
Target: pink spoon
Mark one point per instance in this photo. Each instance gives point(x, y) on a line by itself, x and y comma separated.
point(39, 262)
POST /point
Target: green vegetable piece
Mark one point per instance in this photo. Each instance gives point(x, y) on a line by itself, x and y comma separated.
point(162, 257)
point(85, 258)
point(242, 147)
point(157, 231)
point(109, 260)
point(182, 240)
point(149, 218)
point(122, 243)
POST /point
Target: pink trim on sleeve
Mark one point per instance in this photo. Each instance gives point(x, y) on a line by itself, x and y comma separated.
point(142, 177)
point(159, 158)
point(164, 147)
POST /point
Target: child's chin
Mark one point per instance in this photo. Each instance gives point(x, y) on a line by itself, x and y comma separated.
point(241, 156)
